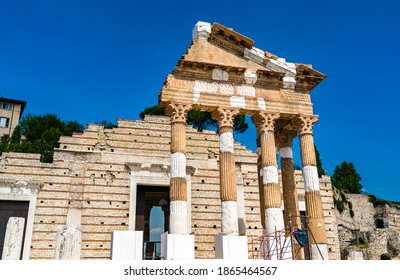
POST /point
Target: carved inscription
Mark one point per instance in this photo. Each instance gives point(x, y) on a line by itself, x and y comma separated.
point(226, 89)
point(211, 87)
point(171, 82)
point(201, 86)
point(246, 91)
point(229, 89)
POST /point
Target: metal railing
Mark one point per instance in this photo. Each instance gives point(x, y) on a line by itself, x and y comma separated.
point(152, 250)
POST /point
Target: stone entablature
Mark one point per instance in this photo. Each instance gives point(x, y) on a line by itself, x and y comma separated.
point(249, 98)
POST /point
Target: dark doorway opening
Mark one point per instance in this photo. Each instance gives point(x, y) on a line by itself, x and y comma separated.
point(11, 208)
point(379, 223)
point(152, 217)
point(385, 257)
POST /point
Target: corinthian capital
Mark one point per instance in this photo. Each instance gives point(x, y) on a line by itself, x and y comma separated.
point(304, 124)
point(265, 121)
point(177, 111)
point(224, 116)
point(284, 138)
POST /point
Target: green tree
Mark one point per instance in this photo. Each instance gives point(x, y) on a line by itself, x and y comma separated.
point(108, 124)
point(297, 166)
point(71, 127)
point(345, 177)
point(4, 142)
point(152, 110)
point(38, 134)
point(239, 124)
point(32, 127)
point(199, 119)
point(320, 168)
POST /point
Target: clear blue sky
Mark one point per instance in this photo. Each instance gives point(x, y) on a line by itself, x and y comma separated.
point(83, 59)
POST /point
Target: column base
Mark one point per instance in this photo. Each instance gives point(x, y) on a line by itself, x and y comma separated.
point(319, 252)
point(231, 247)
point(68, 242)
point(177, 246)
point(127, 245)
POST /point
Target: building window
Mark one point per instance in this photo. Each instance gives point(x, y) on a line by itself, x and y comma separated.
point(6, 106)
point(4, 121)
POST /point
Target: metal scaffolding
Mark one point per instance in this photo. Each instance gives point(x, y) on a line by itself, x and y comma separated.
point(274, 246)
point(282, 244)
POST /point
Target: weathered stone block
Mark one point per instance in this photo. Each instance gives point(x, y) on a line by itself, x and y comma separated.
point(13, 238)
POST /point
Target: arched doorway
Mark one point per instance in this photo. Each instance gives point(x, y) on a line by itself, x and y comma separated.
point(379, 223)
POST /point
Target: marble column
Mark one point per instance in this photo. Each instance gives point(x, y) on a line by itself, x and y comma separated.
point(178, 185)
point(316, 223)
point(228, 244)
point(272, 199)
point(178, 243)
point(228, 187)
point(284, 139)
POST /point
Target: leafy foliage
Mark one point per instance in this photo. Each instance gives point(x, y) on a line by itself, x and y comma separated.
point(108, 124)
point(345, 177)
point(239, 124)
point(320, 168)
point(38, 134)
point(380, 202)
point(152, 110)
point(297, 166)
point(343, 196)
point(339, 204)
point(199, 119)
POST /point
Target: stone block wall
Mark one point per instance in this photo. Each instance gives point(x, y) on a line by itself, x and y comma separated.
point(362, 233)
point(90, 171)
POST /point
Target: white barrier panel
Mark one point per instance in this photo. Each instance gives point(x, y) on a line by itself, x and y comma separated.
point(127, 245)
point(230, 247)
point(177, 246)
point(197, 269)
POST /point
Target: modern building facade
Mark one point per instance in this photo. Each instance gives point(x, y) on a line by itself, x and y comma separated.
point(10, 113)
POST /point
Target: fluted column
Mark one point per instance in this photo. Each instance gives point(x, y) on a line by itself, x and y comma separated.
point(316, 222)
point(284, 140)
point(228, 188)
point(272, 199)
point(178, 185)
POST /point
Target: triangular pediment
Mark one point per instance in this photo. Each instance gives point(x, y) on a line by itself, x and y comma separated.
point(222, 67)
point(219, 47)
point(205, 52)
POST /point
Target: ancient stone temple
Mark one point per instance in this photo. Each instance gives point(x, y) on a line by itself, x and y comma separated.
point(217, 198)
